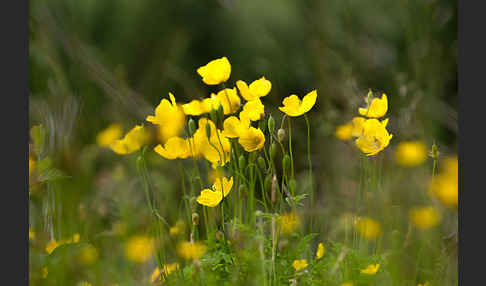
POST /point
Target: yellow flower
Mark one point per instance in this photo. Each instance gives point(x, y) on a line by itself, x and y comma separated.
point(368, 228)
point(424, 217)
point(259, 88)
point(371, 269)
point(211, 198)
point(109, 135)
point(288, 222)
point(347, 284)
point(444, 186)
point(299, 264)
point(169, 117)
point(197, 107)
point(168, 269)
point(190, 251)
point(376, 109)
point(233, 127)
point(293, 106)
point(178, 228)
point(214, 149)
point(174, 148)
point(411, 153)
point(229, 94)
point(374, 137)
point(216, 71)
point(252, 139)
point(253, 110)
point(132, 141)
point(139, 248)
point(88, 255)
point(44, 272)
point(344, 132)
point(357, 123)
point(320, 251)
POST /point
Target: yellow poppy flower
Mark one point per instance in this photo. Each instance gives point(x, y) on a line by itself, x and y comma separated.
point(233, 127)
point(344, 132)
point(289, 222)
point(374, 137)
point(258, 88)
point(424, 217)
point(368, 228)
point(139, 248)
point(320, 251)
point(170, 118)
point(229, 94)
point(178, 228)
point(196, 107)
point(293, 106)
point(214, 149)
point(44, 272)
point(212, 198)
point(132, 141)
point(216, 71)
point(174, 148)
point(109, 135)
point(376, 109)
point(253, 110)
point(299, 264)
point(411, 153)
point(444, 186)
point(252, 139)
point(357, 123)
point(371, 269)
point(191, 250)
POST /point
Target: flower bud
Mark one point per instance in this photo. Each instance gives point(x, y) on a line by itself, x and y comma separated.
point(268, 182)
point(192, 126)
point(243, 190)
point(286, 162)
point(271, 124)
point(292, 186)
point(434, 153)
point(242, 162)
point(281, 134)
point(214, 115)
point(261, 163)
point(273, 150)
point(221, 111)
point(195, 219)
point(208, 130)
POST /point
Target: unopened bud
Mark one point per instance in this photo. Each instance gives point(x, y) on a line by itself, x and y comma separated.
point(192, 126)
point(195, 219)
point(214, 115)
point(286, 162)
point(261, 163)
point(273, 150)
point(292, 186)
point(271, 124)
point(281, 134)
point(242, 162)
point(208, 130)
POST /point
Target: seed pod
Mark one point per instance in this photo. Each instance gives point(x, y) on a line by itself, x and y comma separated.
point(273, 150)
point(292, 186)
point(286, 162)
point(208, 130)
point(242, 162)
point(192, 127)
point(281, 134)
point(261, 163)
point(271, 124)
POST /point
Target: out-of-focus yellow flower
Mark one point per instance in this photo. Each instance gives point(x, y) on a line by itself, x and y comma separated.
point(191, 251)
point(299, 264)
point(216, 71)
point(368, 228)
point(44, 272)
point(320, 251)
point(51, 245)
point(293, 106)
point(234, 100)
point(174, 148)
point(233, 126)
point(444, 187)
point(258, 88)
point(424, 217)
point(31, 234)
point(344, 132)
point(289, 222)
point(253, 110)
point(139, 248)
point(357, 123)
point(211, 198)
point(371, 269)
point(109, 135)
point(374, 138)
point(169, 117)
point(88, 255)
point(178, 228)
point(347, 284)
point(411, 153)
point(252, 139)
point(376, 109)
point(168, 269)
point(132, 141)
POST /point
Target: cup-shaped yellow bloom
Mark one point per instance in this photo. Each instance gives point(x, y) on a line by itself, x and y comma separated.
point(131, 142)
point(216, 148)
point(411, 153)
point(320, 251)
point(139, 248)
point(191, 250)
point(444, 186)
point(174, 148)
point(299, 264)
point(212, 198)
point(259, 88)
point(376, 109)
point(253, 110)
point(252, 139)
point(374, 137)
point(229, 99)
point(216, 71)
point(344, 132)
point(424, 217)
point(196, 107)
point(109, 135)
point(288, 223)
point(233, 126)
point(357, 123)
point(368, 228)
point(293, 106)
point(170, 118)
point(371, 269)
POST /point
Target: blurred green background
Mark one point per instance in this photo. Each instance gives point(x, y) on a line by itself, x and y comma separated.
point(93, 62)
